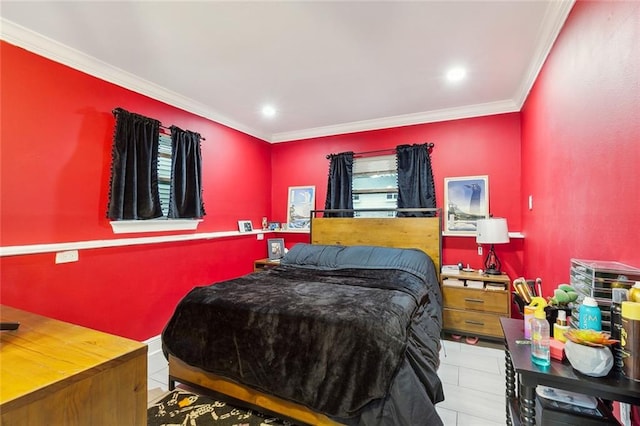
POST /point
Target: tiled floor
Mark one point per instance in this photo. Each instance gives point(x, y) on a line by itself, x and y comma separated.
point(473, 378)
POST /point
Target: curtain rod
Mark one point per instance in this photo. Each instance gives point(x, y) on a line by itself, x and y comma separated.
point(117, 110)
point(168, 128)
point(430, 146)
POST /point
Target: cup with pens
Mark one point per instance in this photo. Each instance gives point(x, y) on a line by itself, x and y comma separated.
point(526, 290)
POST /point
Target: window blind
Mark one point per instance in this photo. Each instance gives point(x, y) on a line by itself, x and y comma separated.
point(164, 172)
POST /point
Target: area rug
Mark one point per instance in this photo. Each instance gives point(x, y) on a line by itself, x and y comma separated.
point(184, 408)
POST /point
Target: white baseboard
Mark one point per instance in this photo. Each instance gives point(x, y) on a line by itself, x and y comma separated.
point(155, 358)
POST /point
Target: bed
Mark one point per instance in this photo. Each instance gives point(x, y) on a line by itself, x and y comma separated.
point(345, 331)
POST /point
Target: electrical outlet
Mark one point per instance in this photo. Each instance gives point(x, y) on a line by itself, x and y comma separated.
point(479, 250)
point(67, 256)
point(260, 237)
point(530, 202)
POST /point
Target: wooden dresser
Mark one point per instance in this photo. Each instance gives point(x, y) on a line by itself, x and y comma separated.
point(56, 373)
point(475, 311)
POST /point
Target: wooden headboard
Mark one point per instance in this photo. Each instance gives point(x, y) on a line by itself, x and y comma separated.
point(423, 233)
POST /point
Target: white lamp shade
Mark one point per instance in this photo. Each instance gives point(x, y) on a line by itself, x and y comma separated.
point(492, 231)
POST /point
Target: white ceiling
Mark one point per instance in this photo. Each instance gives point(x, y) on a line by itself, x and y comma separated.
point(327, 67)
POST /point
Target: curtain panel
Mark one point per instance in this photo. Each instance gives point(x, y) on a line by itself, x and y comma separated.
point(185, 199)
point(133, 193)
point(339, 192)
point(416, 187)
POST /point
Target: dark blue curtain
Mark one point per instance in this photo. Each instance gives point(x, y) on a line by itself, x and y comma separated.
point(416, 188)
point(186, 175)
point(339, 194)
point(133, 194)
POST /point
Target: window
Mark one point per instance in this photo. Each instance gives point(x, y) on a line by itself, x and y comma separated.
point(375, 185)
point(154, 176)
point(164, 172)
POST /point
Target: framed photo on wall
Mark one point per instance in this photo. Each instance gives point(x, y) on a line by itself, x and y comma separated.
point(275, 247)
point(245, 226)
point(302, 199)
point(466, 200)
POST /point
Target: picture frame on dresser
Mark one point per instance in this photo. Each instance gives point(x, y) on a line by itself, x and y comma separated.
point(466, 199)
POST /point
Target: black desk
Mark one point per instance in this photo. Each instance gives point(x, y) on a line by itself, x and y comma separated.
point(614, 387)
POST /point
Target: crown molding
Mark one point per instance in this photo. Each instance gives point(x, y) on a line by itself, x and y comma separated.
point(554, 19)
point(499, 107)
point(58, 52)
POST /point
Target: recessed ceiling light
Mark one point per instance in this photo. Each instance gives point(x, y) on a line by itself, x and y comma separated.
point(456, 74)
point(268, 111)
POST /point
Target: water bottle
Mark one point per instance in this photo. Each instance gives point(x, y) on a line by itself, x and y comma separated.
point(590, 316)
point(540, 345)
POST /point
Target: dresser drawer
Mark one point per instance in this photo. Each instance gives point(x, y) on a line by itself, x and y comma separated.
point(472, 322)
point(476, 300)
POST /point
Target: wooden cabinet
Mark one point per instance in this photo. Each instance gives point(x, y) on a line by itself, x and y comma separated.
point(56, 373)
point(475, 311)
point(262, 264)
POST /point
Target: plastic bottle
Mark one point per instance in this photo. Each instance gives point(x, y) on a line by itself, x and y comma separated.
point(618, 295)
point(536, 303)
point(540, 349)
point(589, 316)
point(560, 327)
point(630, 340)
point(634, 293)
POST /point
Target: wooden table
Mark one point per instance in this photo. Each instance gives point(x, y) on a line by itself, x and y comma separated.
point(520, 400)
point(56, 373)
point(262, 264)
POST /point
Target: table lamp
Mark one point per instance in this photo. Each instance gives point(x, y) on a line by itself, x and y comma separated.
point(492, 231)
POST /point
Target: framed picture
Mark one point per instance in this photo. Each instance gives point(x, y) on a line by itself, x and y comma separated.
point(302, 199)
point(274, 226)
point(466, 200)
point(245, 226)
point(275, 247)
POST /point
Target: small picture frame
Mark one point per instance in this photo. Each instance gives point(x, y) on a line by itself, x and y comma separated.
point(245, 226)
point(274, 226)
point(275, 247)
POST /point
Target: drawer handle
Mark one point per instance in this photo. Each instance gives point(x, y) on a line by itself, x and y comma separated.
point(468, 299)
point(474, 322)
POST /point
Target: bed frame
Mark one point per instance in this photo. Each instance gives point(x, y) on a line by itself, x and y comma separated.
point(422, 233)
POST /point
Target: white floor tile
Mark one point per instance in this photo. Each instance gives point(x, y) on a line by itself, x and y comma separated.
point(449, 373)
point(467, 420)
point(448, 417)
point(479, 361)
point(154, 384)
point(480, 350)
point(481, 381)
point(157, 362)
point(473, 402)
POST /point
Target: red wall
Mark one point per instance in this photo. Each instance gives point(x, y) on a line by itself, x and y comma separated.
point(573, 147)
point(477, 146)
point(580, 152)
point(56, 138)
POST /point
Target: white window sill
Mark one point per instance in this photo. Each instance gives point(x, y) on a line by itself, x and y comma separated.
point(155, 225)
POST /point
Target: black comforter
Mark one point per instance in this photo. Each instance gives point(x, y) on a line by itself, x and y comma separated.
point(339, 338)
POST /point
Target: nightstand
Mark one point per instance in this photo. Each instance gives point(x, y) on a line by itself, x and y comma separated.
point(262, 264)
point(474, 303)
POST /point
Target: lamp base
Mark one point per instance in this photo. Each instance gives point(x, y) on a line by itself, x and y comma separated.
point(492, 264)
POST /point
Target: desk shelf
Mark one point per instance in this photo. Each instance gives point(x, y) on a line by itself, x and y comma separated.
point(522, 377)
